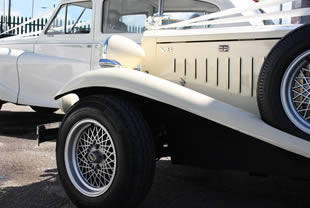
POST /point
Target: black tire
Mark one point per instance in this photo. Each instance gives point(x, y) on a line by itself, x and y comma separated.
point(43, 110)
point(270, 79)
point(134, 149)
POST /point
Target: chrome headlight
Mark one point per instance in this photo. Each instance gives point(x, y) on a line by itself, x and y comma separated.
point(121, 51)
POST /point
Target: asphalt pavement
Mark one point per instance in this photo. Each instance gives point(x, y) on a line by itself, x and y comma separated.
point(29, 178)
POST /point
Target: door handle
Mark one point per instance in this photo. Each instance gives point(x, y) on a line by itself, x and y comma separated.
point(77, 46)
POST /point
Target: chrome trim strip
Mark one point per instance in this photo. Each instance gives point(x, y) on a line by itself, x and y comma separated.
point(106, 44)
point(109, 63)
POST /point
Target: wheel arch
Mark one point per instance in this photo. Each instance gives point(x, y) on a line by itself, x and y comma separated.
point(69, 98)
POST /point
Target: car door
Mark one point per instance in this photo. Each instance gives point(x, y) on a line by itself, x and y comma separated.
point(62, 52)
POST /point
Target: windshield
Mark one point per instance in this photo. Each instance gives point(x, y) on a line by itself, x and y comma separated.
point(180, 10)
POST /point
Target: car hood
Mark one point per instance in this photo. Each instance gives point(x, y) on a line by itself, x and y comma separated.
point(215, 34)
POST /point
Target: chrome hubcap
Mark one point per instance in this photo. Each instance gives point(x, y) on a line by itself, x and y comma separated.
point(295, 92)
point(90, 158)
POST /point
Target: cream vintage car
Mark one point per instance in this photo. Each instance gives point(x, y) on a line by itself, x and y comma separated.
point(207, 83)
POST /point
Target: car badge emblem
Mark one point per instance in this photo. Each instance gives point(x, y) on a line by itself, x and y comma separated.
point(224, 48)
point(166, 49)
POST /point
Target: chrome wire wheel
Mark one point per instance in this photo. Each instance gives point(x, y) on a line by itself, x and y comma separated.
point(90, 157)
point(295, 92)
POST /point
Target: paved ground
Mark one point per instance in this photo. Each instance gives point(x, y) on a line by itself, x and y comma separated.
point(28, 176)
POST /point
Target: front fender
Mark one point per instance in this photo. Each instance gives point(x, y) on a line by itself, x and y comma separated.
point(158, 89)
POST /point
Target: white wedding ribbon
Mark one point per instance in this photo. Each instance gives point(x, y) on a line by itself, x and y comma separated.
point(227, 12)
point(269, 16)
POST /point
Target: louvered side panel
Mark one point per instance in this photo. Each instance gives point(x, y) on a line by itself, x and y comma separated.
point(230, 76)
point(223, 73)
point(201, 68)
point(258, 63)
point(235, 74)
point(180, 67)
point(190, 69)
point(246, 76)
point(212, 72)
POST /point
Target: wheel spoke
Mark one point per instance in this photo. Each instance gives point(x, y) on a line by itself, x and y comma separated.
point(301, 85)
point(306, 110)
point(298, 95)
point(304, 77)
point(305, 69)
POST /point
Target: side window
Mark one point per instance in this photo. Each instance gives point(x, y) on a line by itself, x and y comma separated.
point(58, 24)
point(75, 18)
point(79, 18)
point(126, 16)
point(135, 22)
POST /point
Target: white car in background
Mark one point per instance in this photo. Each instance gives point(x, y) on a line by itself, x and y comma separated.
point(40, 66)
point(207, 83)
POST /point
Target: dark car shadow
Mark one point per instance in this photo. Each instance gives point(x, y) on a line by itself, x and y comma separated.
point(23, 124)
point(179, 187)
point(46, 193)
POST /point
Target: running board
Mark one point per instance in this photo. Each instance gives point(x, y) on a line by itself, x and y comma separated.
point(47, 132)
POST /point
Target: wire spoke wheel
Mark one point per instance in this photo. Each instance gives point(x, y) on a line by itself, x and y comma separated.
point(90, 157)
point(295, 92)
point(105, 153)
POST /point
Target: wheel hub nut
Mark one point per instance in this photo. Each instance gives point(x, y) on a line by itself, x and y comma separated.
point(95, 157)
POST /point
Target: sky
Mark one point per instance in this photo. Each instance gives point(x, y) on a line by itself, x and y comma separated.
point(24, 7)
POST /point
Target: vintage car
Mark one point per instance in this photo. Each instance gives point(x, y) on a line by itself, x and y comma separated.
point(227, 87)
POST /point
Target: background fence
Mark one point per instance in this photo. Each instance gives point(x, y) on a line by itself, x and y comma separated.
point(31, 27)
point(6, 23)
